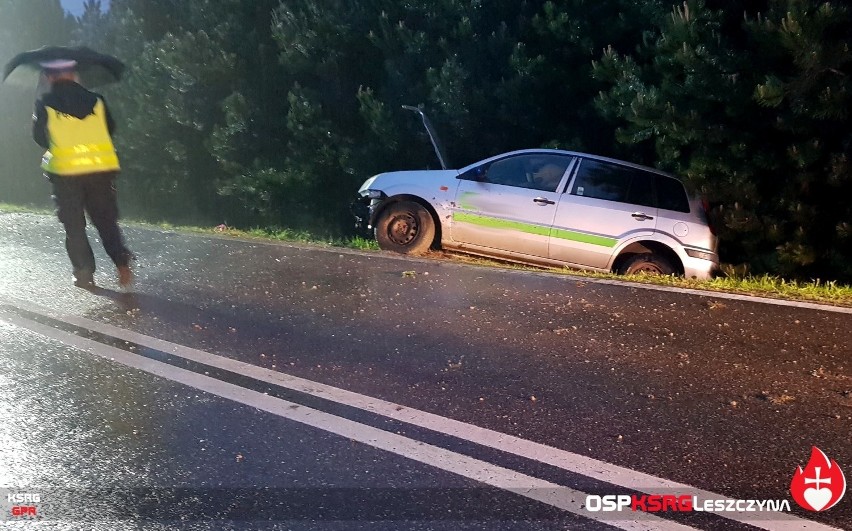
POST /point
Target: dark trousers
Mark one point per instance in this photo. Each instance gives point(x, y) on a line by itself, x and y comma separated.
point(93, 194)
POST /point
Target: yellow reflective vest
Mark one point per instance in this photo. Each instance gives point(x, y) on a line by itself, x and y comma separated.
point(78, 146)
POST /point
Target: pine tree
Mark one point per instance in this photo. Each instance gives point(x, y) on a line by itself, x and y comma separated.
point(25, 26)
point(751, 115)
point(199, 102)
point(807, 89)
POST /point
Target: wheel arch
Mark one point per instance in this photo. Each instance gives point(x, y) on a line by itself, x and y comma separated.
point(436, 243)
point(644, 247)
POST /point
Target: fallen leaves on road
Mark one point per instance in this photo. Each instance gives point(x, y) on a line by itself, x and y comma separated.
point(776, 399)
point(822, 373)
point(452, 366)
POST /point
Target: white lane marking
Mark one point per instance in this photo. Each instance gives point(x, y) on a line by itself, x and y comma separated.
point(558, 496)
point(576, 463)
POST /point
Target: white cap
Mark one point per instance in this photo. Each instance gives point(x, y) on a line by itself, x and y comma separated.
point(59, 64)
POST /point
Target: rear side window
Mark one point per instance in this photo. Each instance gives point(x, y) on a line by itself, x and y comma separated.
point(671, 194)
point(603, 180)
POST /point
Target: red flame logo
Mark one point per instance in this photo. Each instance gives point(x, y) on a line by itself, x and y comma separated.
point(820, 485)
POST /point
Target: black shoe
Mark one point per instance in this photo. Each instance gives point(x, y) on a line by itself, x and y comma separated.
point(85, 280)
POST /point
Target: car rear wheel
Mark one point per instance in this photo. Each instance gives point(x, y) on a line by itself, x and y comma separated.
point(648, 263)
point(405, 227)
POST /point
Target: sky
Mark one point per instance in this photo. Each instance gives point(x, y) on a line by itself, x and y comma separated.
point(75, 7)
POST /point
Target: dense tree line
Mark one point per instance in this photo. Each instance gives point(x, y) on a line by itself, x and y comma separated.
point(272, 112)
point(24, 26)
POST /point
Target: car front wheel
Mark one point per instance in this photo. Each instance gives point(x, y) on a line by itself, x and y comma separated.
point(648, 263)
point(405, 227)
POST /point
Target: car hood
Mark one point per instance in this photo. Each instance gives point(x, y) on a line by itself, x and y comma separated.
point(390, 179)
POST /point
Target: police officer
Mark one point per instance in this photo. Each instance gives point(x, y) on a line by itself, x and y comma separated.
point(75, 127)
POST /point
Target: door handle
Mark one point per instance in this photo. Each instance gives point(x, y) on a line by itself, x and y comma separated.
point(641, 216)
point(543, 201)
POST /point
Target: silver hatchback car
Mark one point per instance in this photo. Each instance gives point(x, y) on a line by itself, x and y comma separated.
point(545, 207)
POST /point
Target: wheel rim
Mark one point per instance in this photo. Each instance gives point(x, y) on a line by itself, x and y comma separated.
point(403, 229)
point(648, 268)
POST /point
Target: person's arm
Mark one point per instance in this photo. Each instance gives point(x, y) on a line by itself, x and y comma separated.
point(40, 125)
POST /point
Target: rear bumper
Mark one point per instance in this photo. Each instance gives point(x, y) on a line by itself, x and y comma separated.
point(700, 268)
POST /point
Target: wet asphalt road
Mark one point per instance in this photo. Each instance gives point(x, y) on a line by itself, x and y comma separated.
point(724, 395)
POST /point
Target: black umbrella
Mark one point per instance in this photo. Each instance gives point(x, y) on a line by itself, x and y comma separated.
point(94, 68)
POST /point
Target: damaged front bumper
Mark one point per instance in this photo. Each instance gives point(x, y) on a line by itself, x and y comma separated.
point(364, 208)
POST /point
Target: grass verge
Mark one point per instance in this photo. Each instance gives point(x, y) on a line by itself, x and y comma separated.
point(283, 235)
point(764, 286)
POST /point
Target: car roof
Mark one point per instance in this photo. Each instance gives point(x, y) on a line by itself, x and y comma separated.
point(547, 151)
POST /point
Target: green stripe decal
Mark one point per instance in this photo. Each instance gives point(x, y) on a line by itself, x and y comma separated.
point(494, 223)
point(583, 237)
point(528, 228)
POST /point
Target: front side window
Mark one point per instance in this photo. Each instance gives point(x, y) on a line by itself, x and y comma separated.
point(508, 172)
point(545, 172)
point(533, 171)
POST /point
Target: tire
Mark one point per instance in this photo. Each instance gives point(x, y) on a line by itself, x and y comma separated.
point(405, 227)
point(648, 263)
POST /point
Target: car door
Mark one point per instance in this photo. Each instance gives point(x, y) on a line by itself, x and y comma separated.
point(509, 204)
point(605, 204)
